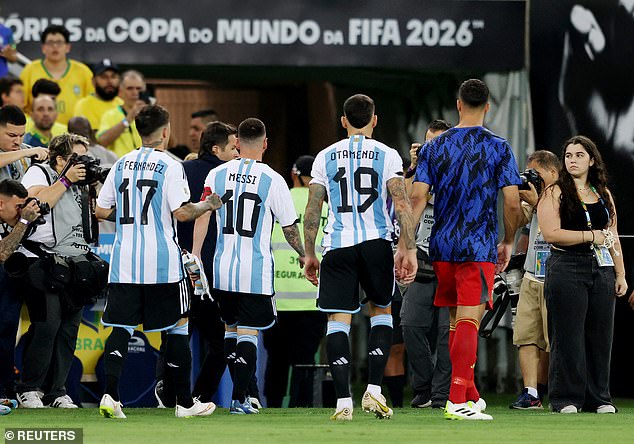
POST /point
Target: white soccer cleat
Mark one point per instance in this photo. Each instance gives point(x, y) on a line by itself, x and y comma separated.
point(377, 405)
point(255, 402)
point(464, 411)
point(480, 405)
point(63, 402)
point(109, 408)
point(197, 409)
point(30, 400)
point(344, 414)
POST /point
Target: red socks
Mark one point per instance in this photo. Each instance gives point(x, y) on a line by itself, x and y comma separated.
point(463, 347)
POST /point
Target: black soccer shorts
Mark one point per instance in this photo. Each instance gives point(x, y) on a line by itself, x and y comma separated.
point(252, 311)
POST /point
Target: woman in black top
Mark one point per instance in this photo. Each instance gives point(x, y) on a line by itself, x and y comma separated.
point(583, 274)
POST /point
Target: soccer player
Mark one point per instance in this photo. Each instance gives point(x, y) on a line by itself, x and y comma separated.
point(358, 173)
point(466, 165)
point(253, 197)
point(149, 190)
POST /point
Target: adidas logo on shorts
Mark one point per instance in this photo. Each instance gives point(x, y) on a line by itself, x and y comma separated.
point(376, 352)
point(341, 361)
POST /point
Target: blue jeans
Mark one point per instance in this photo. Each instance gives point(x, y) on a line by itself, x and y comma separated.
point(10, 305)
point(580, 298)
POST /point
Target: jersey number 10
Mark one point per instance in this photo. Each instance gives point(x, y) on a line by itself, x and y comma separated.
point(242, 199)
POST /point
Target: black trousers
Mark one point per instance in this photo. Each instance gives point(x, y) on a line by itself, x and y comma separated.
point(580, 297)
point(49, 351)
point(293, 340)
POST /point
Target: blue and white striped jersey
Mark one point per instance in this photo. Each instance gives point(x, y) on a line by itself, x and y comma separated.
point(355, 172)
point(146, 185)
point(253, 197)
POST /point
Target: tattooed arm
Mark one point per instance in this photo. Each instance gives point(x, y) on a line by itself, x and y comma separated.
point(191, 211)
point(312, 219)
point(405, 263)
point(9, 244)
point(294, 239)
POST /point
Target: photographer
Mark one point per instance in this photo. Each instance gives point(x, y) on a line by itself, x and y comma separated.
point(51, 287)
point(15, 216)
point(530, 334)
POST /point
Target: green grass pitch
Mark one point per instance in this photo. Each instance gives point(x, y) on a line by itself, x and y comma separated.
point(313, 426)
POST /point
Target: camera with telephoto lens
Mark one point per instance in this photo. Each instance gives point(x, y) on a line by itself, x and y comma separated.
point(531, 176)
point(45, 208)
point(94, 173)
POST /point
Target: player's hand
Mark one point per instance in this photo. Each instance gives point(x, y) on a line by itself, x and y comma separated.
point(621, 286)
point(37, 152)
point(30, 211)
point(311, 269)
point(413, 153)
point(405, 265)
point(530, 196)
point(213, 201)
point(76, 173)
point(504, 256)
point(302, 261)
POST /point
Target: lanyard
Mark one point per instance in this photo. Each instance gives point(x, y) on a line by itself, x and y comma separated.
point(585, 208)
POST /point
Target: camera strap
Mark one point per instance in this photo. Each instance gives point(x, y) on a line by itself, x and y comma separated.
point(88, 218)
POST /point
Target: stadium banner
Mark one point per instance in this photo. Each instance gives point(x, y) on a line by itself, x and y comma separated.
point(413, 34)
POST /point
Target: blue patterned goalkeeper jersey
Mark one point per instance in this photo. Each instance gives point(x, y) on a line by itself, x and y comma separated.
point(466, 167)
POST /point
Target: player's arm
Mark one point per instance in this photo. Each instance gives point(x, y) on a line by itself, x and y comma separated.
point(105, 213)
point(200, 232)
point(294, 238)
point(418, 199)
point(312, 216)
point(513, 216)
point(312, 221)
point(190, 211)
point(405, 259)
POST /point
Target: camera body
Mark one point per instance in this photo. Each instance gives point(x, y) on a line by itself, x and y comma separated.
point(531, 176)
point(94, 173)
point(45, 208)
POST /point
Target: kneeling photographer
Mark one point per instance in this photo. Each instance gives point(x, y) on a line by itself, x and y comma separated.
point(56, 270)
point(530, 334)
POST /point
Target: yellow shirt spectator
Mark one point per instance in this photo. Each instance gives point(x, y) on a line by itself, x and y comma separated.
point(128, 141)
point(75, 83)
point(93, 108)
point(56, 130)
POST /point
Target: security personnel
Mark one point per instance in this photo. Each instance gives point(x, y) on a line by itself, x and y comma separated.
point(296, 337)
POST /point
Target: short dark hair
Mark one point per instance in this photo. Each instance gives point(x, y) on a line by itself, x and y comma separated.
point(63, 144)
point(6, 83)
point(45, 86)
point(206, 115)
point(251, 129)
point(12, 114)
point(358, 110)
point(474, 93)
point(55, 29)
point(215, 133)
point(151, 118)
point(10, 188)
point(438, 125)
point(545, 159)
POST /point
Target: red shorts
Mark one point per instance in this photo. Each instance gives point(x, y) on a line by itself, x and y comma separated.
point(464, 283)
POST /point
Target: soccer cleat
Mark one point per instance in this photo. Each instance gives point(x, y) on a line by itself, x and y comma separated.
point(255, 402)
point(569, 409)
point(197, 409)
point(109, 408)
point(242, 408)
point(464, 411)
point(63, 402)
point(4, 410)
point(526, 401)
point(377, 405)
point(606, 408)
point(30, 400)
point(480, 405)
point(344, 414)
point(420, 402)
point(11, 403)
